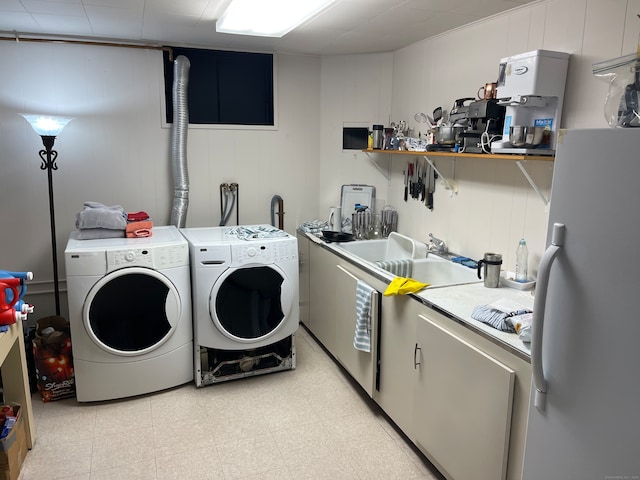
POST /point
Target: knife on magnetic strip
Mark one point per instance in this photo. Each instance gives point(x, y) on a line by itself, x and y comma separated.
point(431, 184)
point(406, 184)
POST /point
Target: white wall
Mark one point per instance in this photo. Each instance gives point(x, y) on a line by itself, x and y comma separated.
point(116, 151)
point(495, 206)
point(355, 89)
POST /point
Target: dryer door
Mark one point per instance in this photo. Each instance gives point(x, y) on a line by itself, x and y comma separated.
point(250, 303)
point(131, 311)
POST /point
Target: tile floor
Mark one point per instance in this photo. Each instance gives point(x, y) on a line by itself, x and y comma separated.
point(307, 423)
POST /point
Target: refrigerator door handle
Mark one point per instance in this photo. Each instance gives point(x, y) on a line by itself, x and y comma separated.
point(542, 282)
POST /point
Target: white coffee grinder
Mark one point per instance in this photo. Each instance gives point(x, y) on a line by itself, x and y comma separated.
point(531, 87)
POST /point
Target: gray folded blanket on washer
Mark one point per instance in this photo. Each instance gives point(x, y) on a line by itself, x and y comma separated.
point(97, 215)
point(96, 233)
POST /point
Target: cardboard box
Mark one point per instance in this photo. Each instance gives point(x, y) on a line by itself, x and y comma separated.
point(53, 358)
point(13, 449)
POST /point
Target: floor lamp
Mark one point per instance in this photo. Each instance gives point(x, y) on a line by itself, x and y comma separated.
point(49, 128)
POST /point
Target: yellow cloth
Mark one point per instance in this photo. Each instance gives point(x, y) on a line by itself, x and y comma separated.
point(402, 286)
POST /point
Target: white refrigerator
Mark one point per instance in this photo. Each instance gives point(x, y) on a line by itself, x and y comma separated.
point(584, 416)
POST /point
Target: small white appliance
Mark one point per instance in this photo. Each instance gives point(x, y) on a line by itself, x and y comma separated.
point(130, 314)
point(531, 87)
point(245, 300)
point(583, 418)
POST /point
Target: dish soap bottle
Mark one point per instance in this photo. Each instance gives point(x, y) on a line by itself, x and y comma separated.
point(522, 257)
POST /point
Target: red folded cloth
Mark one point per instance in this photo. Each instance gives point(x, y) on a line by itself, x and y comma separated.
point(137, 216)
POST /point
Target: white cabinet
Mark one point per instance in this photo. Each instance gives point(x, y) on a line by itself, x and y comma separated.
point(359, 364)
point(397, 375)
point(460, 397)
point(452, 392)
point(332, 313)
point(303, 271)
point(462, 405)
point(322, 265)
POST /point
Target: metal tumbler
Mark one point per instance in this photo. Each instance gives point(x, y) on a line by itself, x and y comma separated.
point(492, 262)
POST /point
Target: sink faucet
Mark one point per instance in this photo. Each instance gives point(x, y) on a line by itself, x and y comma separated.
point(436, 245)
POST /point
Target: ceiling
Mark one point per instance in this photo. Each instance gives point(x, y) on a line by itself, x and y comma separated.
point(346, 27)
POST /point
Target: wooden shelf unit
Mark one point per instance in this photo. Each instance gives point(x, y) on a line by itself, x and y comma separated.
point(501, 156)
point(450, 184)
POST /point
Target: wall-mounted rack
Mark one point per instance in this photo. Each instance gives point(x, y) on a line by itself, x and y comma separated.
point(451, 185)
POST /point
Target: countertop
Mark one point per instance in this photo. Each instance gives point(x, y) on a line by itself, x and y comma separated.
point(456, 301)
point(460, 300)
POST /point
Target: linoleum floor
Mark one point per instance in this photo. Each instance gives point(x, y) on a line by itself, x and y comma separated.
point(308, 423)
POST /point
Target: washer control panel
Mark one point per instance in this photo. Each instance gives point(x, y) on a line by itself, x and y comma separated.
point(265, 252)
point(158, 258)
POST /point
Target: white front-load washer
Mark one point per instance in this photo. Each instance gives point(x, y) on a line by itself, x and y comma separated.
point(245, 298)
point(130, 314)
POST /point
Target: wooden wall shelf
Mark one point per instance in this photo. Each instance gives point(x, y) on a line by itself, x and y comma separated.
point(501, 156)
point(450, 184)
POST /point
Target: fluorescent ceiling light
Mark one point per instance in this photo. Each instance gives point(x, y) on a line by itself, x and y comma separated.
point(268, 18)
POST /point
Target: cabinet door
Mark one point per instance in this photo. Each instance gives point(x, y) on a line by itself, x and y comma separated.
point(303, 269)
point(358, 363)
point(322, 265)
point(462, 405)
point(397, 376)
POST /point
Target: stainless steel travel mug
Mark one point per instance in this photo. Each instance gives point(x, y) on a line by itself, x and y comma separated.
point(378, 137)
point(492, 263)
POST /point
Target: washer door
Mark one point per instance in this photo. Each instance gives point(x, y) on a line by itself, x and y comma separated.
point(250, 303)
point(131, 311)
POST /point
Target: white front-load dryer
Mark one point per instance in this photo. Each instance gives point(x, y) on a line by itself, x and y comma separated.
point(245, 289)
point(130, 314)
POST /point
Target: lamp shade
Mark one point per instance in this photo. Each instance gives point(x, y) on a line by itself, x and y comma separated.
point(46, 125)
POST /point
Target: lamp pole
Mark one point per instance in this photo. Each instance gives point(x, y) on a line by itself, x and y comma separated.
point(48, 156)
point(49, 128)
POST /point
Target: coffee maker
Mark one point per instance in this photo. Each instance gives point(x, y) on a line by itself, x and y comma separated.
point(486, 119)
point(531, 87)
point(459, 113)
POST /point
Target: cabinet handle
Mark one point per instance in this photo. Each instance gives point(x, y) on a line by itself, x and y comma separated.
point(415, 357)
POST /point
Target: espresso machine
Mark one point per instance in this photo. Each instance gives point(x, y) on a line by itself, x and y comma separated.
point(531, 88)
point(486, 119)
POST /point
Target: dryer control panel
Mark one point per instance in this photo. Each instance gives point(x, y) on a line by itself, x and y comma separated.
point(265, 253)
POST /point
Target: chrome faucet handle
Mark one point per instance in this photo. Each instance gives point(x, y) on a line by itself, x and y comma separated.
point(437, 245)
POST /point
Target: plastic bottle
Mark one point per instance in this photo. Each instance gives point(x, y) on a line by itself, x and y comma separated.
point(522, 257)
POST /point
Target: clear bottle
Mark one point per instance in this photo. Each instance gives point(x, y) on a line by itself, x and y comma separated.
point(522, 257)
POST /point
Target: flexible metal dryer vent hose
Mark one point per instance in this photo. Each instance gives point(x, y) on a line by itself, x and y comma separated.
point(179, 129)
